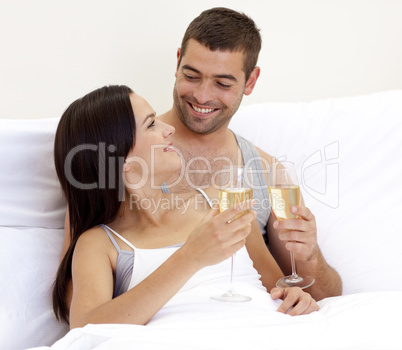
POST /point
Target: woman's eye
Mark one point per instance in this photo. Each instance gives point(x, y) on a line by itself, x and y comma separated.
point(152, 124)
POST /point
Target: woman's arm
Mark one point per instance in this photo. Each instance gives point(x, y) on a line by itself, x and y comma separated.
point(263, 261)
point(93, 286)
point(212, 241)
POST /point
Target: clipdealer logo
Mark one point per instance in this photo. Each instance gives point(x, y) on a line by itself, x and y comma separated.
point(320, 175)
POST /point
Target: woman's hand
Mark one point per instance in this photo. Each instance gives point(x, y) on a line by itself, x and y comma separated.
point(220, 235)
point(295, 301)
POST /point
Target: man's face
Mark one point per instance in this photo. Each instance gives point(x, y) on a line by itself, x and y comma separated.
point(209, 87)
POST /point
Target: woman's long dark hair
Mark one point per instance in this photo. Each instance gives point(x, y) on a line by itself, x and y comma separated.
point(93, 138)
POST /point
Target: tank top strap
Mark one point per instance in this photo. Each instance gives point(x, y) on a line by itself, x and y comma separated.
point(252, 159)
point(116, 245)
point(205, 196)
point(119, 236)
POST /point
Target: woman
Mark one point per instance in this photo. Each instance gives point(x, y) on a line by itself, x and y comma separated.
point(127, 258)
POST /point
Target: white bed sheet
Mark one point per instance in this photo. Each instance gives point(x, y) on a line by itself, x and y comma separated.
point(359, 321)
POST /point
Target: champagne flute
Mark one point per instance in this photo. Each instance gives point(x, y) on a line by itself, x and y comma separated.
point(235, 187)
point(284, 192)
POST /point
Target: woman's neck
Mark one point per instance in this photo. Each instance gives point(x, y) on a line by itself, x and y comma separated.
point(154, 207)
point(161, 219)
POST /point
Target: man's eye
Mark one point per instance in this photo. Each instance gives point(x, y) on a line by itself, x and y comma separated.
point(189, 77)
point(225, 86)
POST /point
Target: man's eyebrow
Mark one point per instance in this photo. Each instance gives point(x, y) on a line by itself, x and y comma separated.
point(226, 76)
point(186, 66)
point(152, 115)
point(221, 76)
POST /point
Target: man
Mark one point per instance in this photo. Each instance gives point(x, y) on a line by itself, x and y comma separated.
point(216, 66)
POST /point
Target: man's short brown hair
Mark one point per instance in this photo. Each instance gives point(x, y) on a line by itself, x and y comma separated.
point(224, 29)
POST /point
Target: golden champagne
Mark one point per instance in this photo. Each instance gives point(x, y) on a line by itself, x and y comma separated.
point(282, 198)
point(228, 197)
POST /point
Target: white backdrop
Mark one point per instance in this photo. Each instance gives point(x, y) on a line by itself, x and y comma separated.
point(52, 52)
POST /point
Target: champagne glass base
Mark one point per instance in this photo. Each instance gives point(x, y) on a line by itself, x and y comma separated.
point(231, 296)
point(295, 281)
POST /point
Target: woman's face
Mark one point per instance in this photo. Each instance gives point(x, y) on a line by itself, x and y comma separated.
point(153, 157)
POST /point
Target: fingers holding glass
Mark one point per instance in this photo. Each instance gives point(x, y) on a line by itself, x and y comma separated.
point(284, 195)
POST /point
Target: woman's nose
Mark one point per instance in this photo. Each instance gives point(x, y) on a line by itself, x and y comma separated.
point(168, 130)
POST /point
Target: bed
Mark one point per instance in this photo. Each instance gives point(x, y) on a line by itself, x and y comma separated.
point(347, 151)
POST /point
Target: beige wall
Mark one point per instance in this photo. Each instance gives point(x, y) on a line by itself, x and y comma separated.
point(52, 52)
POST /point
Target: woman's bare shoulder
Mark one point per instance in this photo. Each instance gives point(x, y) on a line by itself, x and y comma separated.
point(95, 237)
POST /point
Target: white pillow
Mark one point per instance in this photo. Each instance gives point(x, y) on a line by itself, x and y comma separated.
point(264, 125)
point(348, 153)
point(30, 258)
point(359, 141)
point(29, 190)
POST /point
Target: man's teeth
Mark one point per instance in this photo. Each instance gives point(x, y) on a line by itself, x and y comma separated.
point(203, 110)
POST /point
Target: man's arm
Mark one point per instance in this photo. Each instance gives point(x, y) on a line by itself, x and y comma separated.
point(300, 236)
point(294, 235)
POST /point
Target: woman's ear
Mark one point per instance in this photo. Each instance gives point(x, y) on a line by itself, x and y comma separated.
point(126, 166)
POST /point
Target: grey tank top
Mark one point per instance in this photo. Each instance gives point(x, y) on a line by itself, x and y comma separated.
point(124, 265)
point(252, 159)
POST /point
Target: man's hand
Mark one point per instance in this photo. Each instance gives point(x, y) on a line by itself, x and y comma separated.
point(299, 233)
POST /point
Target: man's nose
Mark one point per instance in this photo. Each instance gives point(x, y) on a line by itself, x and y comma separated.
point(203, 93)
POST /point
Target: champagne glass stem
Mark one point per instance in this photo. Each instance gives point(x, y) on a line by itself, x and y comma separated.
point(232, 266)
point(235, 188)
point(292, 261)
